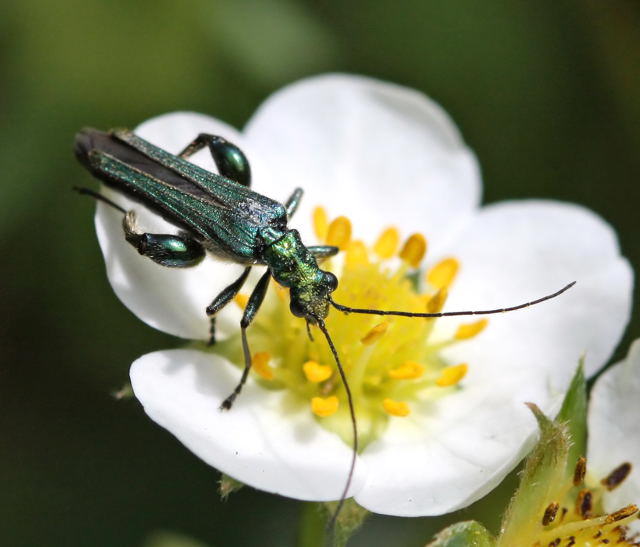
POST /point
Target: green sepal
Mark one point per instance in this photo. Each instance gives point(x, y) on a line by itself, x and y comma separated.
point(125, 392)
point(464, 534)
point(348, 521)
point(227, 485)
point(574, 414)
point(544, 472)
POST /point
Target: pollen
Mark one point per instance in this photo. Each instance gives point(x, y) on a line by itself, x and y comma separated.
point(316, 372)
point(324, 406)
point(450, 376)
point(469, 330)
point(387, 243)
point(375, 333)
point(396, 408)
point(260, 364)
point(241, 299)
point(320, 223)
point(442, 275)
point(339, 232)
point(413, 250)
point(409, 370)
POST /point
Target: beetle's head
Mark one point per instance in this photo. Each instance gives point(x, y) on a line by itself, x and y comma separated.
point(311, 300)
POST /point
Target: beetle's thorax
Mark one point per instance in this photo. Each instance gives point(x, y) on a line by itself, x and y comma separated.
point(293, 266)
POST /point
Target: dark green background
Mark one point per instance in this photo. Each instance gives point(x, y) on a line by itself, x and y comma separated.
point(546, 92)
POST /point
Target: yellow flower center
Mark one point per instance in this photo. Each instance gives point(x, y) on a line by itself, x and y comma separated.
point(390, 362)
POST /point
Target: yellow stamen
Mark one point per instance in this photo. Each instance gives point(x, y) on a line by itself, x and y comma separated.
point(387, 244)
point(324, 406)
point(437, 301)
point(260, 364)
point(320, 223)
point(339, 232)
point(414, 249)
point(469, 330)
point(316, 372)
point(356, 254)
point(396, 408)
point(375, 333)
point(410, 370)
point(443, 273)
point(450, 376)
point(241, 299)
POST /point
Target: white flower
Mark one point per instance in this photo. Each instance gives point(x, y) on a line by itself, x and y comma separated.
point(383, 155)
point(614, 430)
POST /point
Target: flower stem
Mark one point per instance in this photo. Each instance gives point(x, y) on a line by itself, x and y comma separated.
point(312, 526)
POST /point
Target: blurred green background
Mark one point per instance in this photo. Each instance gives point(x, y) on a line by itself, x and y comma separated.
point(547, 93)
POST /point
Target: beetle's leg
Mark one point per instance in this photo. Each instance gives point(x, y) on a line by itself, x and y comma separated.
point(292, 203)
point(323, 251)
point(229, 159)
point(222, 300)
point(170, 250)
point(256, 298)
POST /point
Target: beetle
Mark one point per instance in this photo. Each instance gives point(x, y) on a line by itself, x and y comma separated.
point(221, 215)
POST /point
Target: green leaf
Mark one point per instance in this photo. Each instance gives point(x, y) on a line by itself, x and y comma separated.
point(574, 414)
point(464, 534)
point(543, 477)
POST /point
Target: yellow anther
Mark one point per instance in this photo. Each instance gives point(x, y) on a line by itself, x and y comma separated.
point(339, 232)
point(450, 376)
point(241, 300)
point(260, 364)
point(320, 223)
point(356, 254)
point(375, 333)
point(324, 406)
point(437, 301)
point(469, 330)
point(396, 408)
point(316, 372)
point(414, 249)
point(443, 273)
point(387, 244)
point(410, 370)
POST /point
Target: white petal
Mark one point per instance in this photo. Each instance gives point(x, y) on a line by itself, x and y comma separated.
point(377, 152)
point(169, 299)
point(263, 441)
point(614, 428)
point(469, 441)
point(459, 450)
point(519, 251)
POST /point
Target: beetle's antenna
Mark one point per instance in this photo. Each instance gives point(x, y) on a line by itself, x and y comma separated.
point(449, 313)
point(99, 197)
point(354, 425)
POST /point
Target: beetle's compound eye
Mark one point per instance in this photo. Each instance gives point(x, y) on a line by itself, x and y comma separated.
point(296, 307)
point(331, 281)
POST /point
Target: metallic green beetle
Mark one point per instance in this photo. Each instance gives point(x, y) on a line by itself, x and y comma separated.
point(220, 214)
